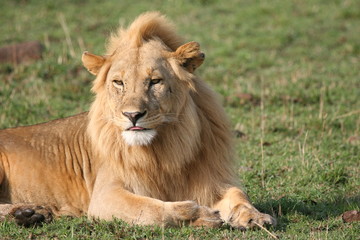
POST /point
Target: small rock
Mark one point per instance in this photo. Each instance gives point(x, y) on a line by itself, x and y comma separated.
point(22, 52)
point(354, 140)
point(351, 216)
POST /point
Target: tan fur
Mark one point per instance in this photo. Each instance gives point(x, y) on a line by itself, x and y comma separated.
point(84, 165)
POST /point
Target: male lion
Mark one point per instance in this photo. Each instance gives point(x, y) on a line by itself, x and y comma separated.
point(155, 147)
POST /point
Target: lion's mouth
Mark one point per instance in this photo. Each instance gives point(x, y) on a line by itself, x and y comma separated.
point(137, 128)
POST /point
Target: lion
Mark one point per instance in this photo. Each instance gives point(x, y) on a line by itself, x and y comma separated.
point(155, 147)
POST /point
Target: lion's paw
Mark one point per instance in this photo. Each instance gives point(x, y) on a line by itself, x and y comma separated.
point(208, 218)
point(28, 216)
point(244, 217)
point(190, 213)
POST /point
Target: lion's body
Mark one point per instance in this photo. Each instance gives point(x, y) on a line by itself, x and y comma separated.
point(48, 164)
point(155, 138)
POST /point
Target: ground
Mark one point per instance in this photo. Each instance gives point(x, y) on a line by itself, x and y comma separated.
point(288, 74)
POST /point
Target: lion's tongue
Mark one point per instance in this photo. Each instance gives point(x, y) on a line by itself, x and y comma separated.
point(136, 128)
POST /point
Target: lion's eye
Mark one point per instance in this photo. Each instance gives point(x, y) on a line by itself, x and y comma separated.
point(118, 83)
point(155, 81)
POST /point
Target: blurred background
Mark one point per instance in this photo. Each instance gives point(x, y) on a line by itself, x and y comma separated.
point(287, 73)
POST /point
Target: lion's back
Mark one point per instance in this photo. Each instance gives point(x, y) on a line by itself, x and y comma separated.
point(41, 138)
point(40, 160)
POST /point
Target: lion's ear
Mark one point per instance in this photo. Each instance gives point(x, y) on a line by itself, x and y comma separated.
point(92, 62)
point(190, 56)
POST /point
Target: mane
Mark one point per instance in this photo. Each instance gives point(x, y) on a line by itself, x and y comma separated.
point(198, 144)
point(150, 25)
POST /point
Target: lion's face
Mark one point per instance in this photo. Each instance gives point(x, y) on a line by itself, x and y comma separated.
point(140, 86)
point(143, 91)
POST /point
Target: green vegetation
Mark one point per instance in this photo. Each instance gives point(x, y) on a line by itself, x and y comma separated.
point(288, 73)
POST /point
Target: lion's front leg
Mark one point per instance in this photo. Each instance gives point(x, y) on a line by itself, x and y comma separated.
point(113, 201)
point(236, 210)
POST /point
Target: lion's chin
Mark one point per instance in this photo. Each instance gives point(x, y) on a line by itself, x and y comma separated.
point(138, 138)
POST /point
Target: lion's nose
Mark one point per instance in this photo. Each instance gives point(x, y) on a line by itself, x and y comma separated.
point(134, 116)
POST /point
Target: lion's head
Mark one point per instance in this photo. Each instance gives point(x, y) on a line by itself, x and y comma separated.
point(143, 82)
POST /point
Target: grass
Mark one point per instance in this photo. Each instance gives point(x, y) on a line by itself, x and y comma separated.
point(288, 73)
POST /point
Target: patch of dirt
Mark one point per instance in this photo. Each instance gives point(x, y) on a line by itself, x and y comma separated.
point(22, 52)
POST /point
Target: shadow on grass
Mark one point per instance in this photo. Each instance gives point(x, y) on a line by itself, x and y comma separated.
point(283, 208)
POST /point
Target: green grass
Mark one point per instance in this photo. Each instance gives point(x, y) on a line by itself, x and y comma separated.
point(298, 61)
